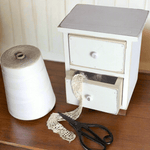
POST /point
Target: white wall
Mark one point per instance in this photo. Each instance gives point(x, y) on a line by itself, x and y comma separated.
point(35, 22)
point(32, 22)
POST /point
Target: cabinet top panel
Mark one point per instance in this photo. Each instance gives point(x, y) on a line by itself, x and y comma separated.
point(102, 19)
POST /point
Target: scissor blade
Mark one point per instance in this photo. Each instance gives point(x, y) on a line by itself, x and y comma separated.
point(68, 119)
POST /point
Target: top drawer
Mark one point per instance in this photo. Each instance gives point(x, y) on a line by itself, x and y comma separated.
point(97, 53)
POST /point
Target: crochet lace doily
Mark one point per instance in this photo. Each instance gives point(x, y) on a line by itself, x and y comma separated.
point(55, 118)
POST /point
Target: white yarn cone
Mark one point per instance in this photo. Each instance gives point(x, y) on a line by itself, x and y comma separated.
point(28, 88)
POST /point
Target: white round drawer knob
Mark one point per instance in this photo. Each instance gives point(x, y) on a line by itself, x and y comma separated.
point(88, 97)
point(94, 55)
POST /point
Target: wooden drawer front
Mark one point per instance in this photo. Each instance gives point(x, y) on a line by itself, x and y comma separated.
point(97, 53)
point(103, 96)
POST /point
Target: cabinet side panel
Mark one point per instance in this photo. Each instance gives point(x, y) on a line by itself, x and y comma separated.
point(135, 58)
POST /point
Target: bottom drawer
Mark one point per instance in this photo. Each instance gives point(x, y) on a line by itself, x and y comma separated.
point(102, 95)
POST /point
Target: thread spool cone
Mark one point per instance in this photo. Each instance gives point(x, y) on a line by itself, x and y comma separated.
point(28, 88)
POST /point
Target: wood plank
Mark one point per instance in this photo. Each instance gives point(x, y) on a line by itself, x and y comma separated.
point(16, 22)
point(55, 11)
point(40, 19)
point(122, 3)
point(28, 22)
point(7, 146)
point(147, 7)
point(88, 2)
point(70, 4)
point(134, 4)
point(106, 2)
point(131, 132)
point(121, 21)
point(6, 28)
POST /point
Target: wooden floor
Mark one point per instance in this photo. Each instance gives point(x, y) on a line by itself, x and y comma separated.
point(131, 132)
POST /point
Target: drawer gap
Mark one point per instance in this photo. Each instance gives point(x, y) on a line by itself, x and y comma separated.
point(98, 77)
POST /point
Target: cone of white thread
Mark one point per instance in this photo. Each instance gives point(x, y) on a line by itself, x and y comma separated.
point(27, 85)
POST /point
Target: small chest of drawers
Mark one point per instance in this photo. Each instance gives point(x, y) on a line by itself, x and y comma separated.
point(104, 41)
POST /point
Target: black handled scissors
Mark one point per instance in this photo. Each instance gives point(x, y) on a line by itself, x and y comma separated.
point(106, 140)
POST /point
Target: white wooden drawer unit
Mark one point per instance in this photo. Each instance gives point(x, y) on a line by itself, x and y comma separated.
point(97, 53)
point(97, 95)
point(107, 41)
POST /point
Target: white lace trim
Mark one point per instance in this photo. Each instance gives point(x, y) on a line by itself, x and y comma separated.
point(55, 118)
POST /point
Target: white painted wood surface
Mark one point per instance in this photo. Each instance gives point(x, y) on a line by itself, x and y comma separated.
point(109, 20)
point(35, 22)
point(110, 54)
point(134, 68)
point(104, 97)
point(81, 44)
point(131, 70)
point(114, 74)
point(32, 22)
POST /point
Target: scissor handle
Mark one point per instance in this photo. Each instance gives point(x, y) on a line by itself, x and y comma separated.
point(108, 139)
point(95, 137)
point(90, 138)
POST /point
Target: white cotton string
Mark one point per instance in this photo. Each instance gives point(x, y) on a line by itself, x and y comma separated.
point(55, 118)
point(28, 88)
